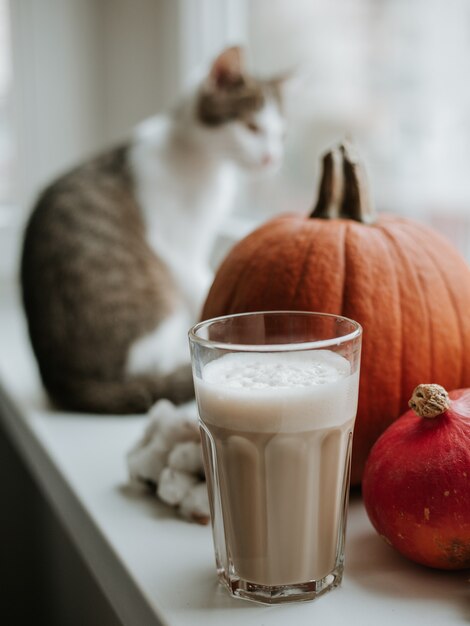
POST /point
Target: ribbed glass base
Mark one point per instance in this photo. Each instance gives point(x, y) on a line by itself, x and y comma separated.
point(282, 593)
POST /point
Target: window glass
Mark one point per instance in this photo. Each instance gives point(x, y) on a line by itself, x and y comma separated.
point(391, 74)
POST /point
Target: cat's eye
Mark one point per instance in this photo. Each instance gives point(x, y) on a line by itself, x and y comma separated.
point(253, 127)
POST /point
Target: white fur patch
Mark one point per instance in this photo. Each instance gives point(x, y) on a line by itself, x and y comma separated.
point(260, 150)
point(185, 182)
point(163, 350)
point(185, 189)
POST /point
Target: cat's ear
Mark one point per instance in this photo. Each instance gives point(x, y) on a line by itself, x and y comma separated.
point(228, 68)
point(283, 84)
point(284, 78)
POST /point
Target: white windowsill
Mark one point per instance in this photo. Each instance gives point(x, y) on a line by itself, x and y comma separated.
point(153, 566)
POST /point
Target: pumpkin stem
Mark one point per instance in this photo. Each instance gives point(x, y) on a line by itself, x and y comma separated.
point(429, 400)
point(343, 188)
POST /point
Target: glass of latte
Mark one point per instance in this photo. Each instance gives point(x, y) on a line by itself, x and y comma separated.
point(277, 399)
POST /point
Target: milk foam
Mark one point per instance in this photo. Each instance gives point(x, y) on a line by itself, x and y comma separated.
point(284, 392)
point(268, 370)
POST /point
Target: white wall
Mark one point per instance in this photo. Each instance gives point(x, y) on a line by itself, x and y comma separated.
point(141, 61)
point(85, 71)
point(57, 87)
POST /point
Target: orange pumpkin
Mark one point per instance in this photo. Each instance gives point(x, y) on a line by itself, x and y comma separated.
point(402, 281)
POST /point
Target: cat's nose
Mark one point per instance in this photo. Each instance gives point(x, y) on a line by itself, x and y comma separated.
point(267, 160)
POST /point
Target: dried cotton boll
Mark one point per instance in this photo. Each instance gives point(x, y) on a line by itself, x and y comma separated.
point(187, 457)
point(167, 425)
point(148, 457)
point(146, 460)
point(161, 415)
point(169, 458)
point(173, 485)
point(195, 504)
point(160, 409)
point(175, 423)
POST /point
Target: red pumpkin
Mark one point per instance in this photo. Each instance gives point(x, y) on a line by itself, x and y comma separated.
point(416, 484)
point(403, 282)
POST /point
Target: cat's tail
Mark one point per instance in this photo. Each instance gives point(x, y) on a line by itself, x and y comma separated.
point(132, 395)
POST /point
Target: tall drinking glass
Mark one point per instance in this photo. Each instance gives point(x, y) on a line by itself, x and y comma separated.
point(277, 399)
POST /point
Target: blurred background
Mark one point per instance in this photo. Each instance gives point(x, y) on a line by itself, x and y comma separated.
point(76, 75)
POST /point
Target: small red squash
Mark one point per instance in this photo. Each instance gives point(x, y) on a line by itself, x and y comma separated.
point(416, 484)
point(404, 283)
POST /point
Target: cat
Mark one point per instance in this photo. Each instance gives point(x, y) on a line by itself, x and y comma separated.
point(115, 260)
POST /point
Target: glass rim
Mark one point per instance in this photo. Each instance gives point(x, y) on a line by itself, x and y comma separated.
point(274, 347)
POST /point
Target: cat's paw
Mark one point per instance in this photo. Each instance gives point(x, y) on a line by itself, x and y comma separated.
point(168, 458)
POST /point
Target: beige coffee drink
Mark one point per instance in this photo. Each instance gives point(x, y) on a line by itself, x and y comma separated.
point(277, 431)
